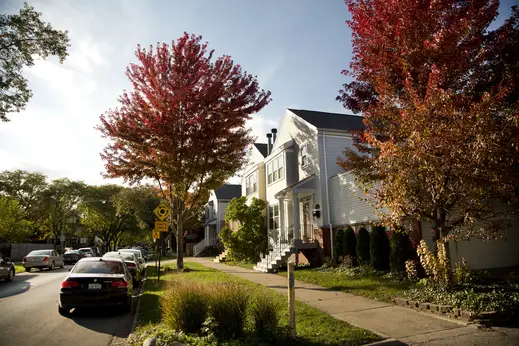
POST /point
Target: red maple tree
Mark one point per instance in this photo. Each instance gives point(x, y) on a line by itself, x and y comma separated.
point(439, 95)
point(183, 124)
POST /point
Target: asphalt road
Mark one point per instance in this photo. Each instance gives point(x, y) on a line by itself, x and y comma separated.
point(29, 315)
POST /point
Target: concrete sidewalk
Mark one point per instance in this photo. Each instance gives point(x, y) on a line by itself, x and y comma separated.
point(387, 320)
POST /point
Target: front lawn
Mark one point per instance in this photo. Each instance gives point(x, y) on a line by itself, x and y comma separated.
point(371, 286)
point(18, 268)
point(313, 326)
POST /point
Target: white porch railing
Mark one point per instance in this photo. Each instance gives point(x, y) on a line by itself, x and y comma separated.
point(206, 242)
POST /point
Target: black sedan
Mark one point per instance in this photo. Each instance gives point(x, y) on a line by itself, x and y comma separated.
point(72, 256)
point(96, 282)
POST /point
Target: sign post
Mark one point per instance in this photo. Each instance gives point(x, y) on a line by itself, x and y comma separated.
point(161, 212)
point(291, 300)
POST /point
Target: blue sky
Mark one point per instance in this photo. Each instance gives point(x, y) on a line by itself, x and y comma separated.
point(297, 48)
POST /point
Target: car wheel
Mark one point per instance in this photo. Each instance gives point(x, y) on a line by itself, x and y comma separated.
point(10, 276)
point(63, 311)
point(62, 265)
point(51, 266)
point(27, 269)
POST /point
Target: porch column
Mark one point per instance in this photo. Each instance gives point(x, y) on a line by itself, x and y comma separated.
point(281, 216)
point(295, 214)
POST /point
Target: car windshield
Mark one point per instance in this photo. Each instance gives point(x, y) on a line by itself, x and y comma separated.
point(85, 250)
point(112, 255)
point(98, 267)
point(72, 252)
point(40, 253)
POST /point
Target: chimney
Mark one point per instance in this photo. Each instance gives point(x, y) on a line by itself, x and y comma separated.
point(274, 133)
point(269, 145)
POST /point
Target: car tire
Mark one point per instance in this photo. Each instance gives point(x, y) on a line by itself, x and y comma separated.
point(62, 265)
point(28, 269)
point(63, 311)
point(10, 276)
point(51, 266)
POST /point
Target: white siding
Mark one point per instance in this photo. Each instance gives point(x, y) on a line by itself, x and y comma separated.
point(335, 145)
point(222, 206)
point(347, 204)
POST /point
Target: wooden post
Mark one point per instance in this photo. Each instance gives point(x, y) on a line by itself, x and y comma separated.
point(291, 300)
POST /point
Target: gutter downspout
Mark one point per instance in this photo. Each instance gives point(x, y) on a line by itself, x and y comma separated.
point(327, 195)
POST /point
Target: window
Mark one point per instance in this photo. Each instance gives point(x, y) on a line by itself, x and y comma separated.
point(275, 169)
point(304, 155)
point(251, 183)
point(274, 217)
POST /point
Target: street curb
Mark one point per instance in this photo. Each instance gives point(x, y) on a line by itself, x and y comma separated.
point(136, 316)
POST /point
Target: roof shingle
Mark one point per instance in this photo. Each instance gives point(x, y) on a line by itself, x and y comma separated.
point(262, 148)
point(331, 121)
point(228, 192)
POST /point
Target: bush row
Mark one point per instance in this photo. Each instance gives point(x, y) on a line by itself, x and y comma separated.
point(375, 249)
point(221, 310)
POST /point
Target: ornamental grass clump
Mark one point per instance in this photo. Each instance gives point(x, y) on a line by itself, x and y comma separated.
point(228, 310)
point(265, 313)
point(185, 306)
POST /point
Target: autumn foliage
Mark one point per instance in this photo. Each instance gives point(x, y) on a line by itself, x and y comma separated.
point(439, 95)
point(183, 124)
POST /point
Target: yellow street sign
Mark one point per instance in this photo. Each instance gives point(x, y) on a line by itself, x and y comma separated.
point(155, 234)
point(161, 226)
point(162, 211)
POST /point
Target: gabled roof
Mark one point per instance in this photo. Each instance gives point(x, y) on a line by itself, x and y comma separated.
point(330, 121)
point(262, 148)
point(228, 192)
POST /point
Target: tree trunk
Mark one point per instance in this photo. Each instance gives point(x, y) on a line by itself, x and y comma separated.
point(180, 243)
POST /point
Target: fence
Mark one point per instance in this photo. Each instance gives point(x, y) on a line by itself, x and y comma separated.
point(18, 251)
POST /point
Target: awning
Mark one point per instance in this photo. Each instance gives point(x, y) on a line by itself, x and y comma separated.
point(306, 185)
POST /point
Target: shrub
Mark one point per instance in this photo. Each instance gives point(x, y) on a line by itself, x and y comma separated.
point(228, 308)
point(265, 315)
point(363, 246)
point(349, 245)
point(411, 270)
point(185, 306)
point(379, 248)
point(250, 240)
point(400, 250)
point(339, 250)
point(436, 267)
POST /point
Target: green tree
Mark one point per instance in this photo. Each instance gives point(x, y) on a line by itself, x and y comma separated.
point(350, 245)
point(13, 226)
point(22, 37)
point(400, 250)
point(27, 188)
point(58, 201)
point(339, 250)
point(250, 239)
point(101, 218)
point(379, 248)
point(363, 246)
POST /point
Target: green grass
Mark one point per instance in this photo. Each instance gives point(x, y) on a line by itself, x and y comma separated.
point(314, 327)
point(19, 268)
point(374, 287)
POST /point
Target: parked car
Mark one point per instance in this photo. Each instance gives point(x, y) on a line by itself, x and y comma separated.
point(42, 259)
point(131, 262)
point(96, 282)
point(139, 256)
point(87, 251)
point(6, 268)
point(72, 256)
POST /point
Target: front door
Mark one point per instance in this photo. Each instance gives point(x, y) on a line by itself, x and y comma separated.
point(307, 221)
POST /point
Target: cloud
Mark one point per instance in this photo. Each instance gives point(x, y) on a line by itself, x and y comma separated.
point(275, 61)
point(260, 126)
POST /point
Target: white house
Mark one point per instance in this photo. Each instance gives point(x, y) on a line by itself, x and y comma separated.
point(253, 179)
point(215, 214)
point(299, 189)
point(309, 195)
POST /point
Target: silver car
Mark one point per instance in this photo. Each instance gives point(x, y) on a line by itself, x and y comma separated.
point(42, 259)
point(138, 254)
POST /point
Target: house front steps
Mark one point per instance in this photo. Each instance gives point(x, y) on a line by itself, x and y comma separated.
point(277, 258)
point(221, 257)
